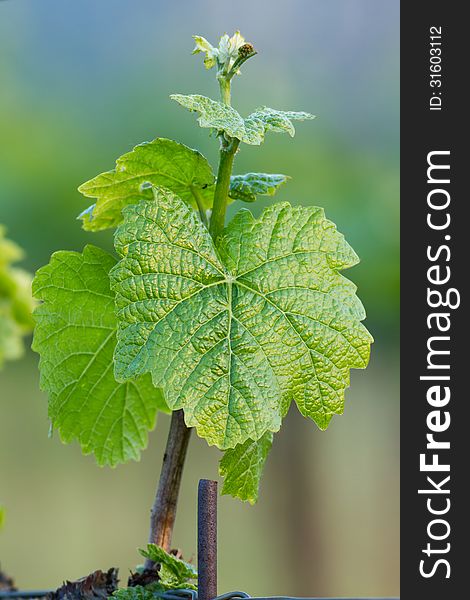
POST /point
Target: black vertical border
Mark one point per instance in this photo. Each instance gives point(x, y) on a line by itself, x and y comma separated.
point(422, 131)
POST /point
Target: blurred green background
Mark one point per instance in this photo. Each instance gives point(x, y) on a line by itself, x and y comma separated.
point(80, 84)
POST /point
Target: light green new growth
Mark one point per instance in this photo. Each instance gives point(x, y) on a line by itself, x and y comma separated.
point(173, 573)
point(75, 335)
point(225, 55)
point(229, 322)
point(137, 592)
point(250, 130)
point(16, 302)
point(250, 185)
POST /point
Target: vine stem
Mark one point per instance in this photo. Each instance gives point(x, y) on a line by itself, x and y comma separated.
point(219, 208)
point(163, 513)
point(224, 86)
point(228, 149)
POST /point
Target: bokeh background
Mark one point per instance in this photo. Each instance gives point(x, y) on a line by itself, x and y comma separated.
point(80, 84)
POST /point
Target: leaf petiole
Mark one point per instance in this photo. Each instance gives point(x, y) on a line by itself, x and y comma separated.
point(200, 204)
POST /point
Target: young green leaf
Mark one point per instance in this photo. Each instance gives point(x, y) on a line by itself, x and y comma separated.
point(269, 119)
point(11, 335)
point(229, 48)
point(242, 468)
point(162, 163)
point(174, 573)
point(75, 336)
point(9, 251)
point(16, 302)
point(137, 592)
point(202, 45)
point(250, 130)
point(232, 334)
point(213, 114)
point(246, 187)
point(224, 55)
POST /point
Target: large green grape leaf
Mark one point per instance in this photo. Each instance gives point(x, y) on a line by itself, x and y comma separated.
point(246, 187)
point(161, 162)
point(75, 336)
point(242, 468)
point(233, 334)
point(250, 130)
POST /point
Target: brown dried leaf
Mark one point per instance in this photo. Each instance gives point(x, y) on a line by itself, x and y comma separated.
point(98, 585)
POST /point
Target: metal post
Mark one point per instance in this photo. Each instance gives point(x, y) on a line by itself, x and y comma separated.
point(207, 539)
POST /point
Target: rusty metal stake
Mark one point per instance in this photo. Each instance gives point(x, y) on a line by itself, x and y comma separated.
point(207, 539)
